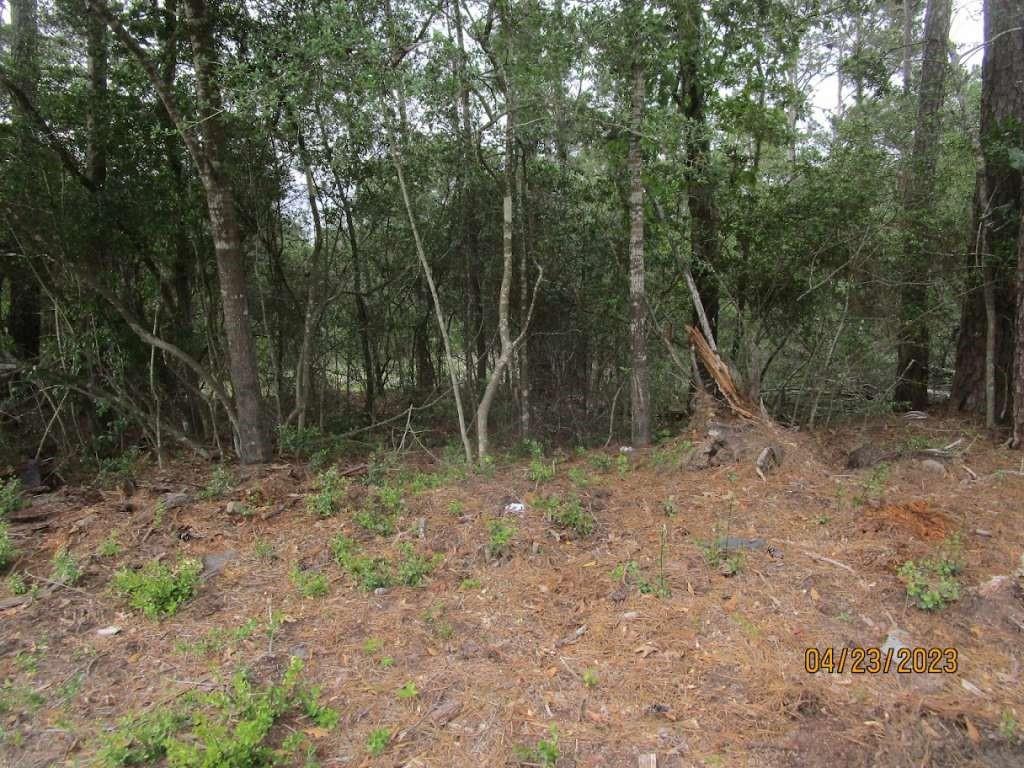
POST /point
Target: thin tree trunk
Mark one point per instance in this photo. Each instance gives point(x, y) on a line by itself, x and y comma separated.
point(315, 278)
point(919, 205)
point(639, 377)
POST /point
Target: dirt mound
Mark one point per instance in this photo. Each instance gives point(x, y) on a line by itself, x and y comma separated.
point(916, 517)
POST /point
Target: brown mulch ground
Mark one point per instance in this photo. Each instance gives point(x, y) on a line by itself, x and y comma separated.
point(712, 674)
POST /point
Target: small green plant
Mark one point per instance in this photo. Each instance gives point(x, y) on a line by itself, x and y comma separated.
point(386, 662)
point(436, 622)
point(546, 753)
point(470, 584)
point(109, 547)
point(370, 573)
point(718, 556)
point(27, 661)
point(668, 506)
point(1008, 725)
point(330, 493)
point(378, 741)
point(10, 497)
point(501, 534)
point(231, 728)
point(568, 513)
point(456, 508)
point(372, 645)
point(408, 691)
point(874, 485)
point(602, 462)
point(159, 514)
point(590, 678)
point(217, 639)
point(158, 591)
point(263, 550)
point(65, 568)
point(7, 549)
point(932, 584)
point(486, 466)
point(541, 471)
point(413, 568)
point(379, 513)
point(309, 583)
point(17, 584)
point(579, 477)
point(221, 482)
point(623, 464)
point(823, 519)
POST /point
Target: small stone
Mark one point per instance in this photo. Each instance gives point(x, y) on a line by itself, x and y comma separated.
point(108, 631)
point(933, 466)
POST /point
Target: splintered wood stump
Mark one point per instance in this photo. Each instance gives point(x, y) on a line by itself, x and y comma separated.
point(647, 761)
point(719, 371)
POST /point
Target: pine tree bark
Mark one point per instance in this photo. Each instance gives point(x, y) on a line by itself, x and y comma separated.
point(640, 405)
point(1002, 115)
point(919, 208)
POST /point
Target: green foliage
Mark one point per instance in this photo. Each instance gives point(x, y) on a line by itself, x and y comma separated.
point(590, 678)
point(309, 583)
point(7, 549)
point(299, 443)
point(263, 550)
point(602, 462)
point(373, 573)
point(230, 728)
point(545, 753)
point(413, 568)
point(568, 513)
point(17, 584)
point(158, 591)
point(874, 484)
point(65, 569)
point(932, 584)
point(10, 497)
point(469, 584)
point(380, 512)
point(720, 557)
point(579, 477)
point(623, 464)
point(378, 741)
point(109, 547)
point(330, 493)
point(502, 532)
point(408, 691)
point(439, 626)
point(215, 640)
point(114, 469)
point(372, 644)
point(539, 471)
point(221, 482)
point(456, 508)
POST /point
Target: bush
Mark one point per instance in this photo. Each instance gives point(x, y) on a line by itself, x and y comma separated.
point(413, 568)
point(157, 591)
point(65, 568)
point(7, 550)
point(932, 584)
point(221, 483)
point(10, 497)
point(501, 534)
point(309, 583)
point(568, 513)
point(331, 489)
point(232, 728)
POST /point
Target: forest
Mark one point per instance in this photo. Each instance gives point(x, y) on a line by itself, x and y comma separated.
point(582, 371)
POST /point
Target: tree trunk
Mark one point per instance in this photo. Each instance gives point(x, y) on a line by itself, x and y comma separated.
point(639, 380)
point(919, 208)
point(253, 440)
point(1018, 372)
point(1002, 114)
point(24, 321)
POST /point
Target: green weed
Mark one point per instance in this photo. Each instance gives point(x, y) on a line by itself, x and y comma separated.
point(502, 533)
point(378, 741)
point(221, 482)
point(10, 497)
point(309, 583)
point(330, 493)
point(65, 569)
point(156, 590)
point(568, 513)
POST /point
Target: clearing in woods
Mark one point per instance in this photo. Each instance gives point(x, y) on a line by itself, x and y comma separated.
point(634, 606)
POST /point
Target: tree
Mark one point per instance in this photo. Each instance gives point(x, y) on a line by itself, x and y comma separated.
point(253, 440)
point(919, 208)
point(996, 216)
point(640, 397)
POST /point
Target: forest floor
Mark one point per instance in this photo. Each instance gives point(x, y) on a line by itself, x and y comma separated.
point(567, 650)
